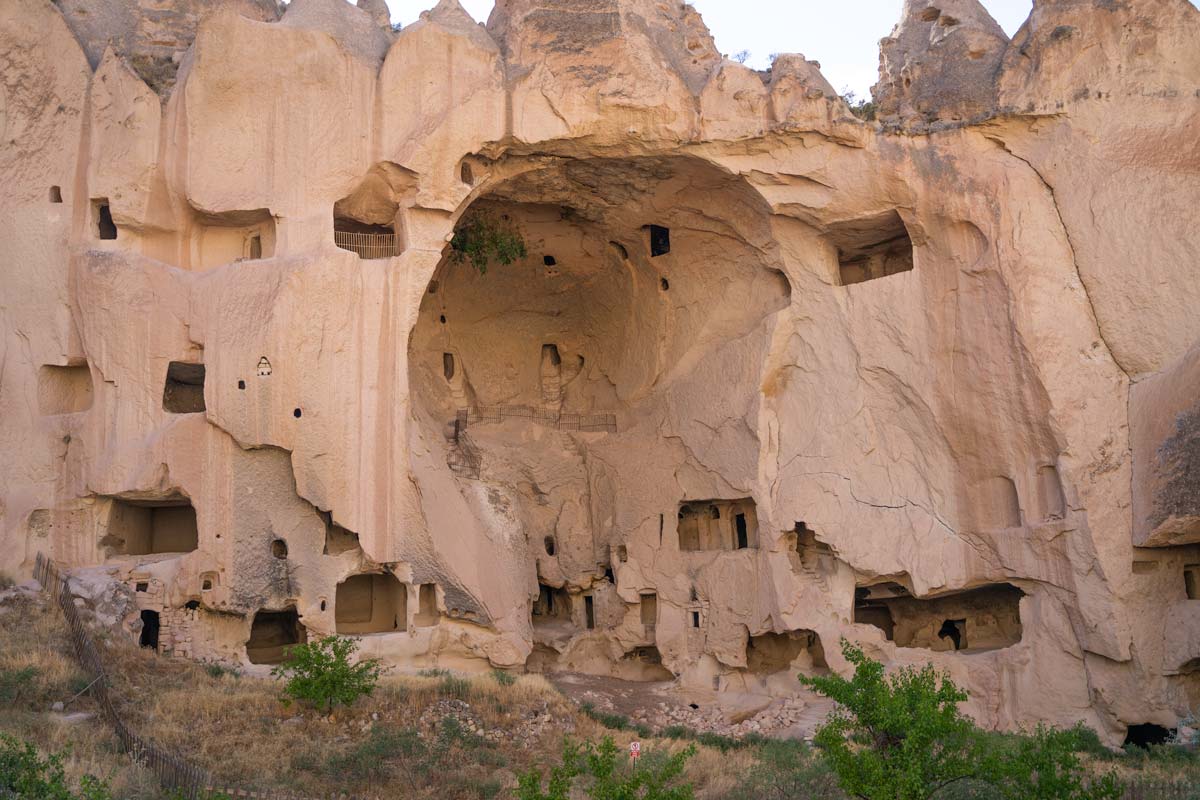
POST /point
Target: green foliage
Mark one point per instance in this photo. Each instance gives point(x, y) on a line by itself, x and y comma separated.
point(789, 770)
point(31, 777)
point(454, 686)
point(320, 673)
point(481, 239)
point(504, 678)
point(902, 737)
point(15, 683)
point(6, 581)
point(220, 671)
point(863, 109)
point(616, 722)
point(434, 672)
point(655, 776)
point(899, 738)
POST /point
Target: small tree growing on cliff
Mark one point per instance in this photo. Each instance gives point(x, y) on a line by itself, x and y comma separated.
point(320, 673)
point(480, 238)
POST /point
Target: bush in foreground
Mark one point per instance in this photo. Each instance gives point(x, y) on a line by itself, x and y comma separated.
point(655, 776)
point(320, 673)
point(31, 777)
point(903, 737)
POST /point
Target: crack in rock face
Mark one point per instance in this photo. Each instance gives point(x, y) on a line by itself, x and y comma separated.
point(563, 344)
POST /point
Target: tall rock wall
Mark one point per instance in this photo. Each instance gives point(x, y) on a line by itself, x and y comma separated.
point(767, 375)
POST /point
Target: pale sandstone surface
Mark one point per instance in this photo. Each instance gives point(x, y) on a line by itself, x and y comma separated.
point(928, 384)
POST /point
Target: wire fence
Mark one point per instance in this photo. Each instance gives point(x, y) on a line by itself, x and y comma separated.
point(173, 771)
point(368, 245)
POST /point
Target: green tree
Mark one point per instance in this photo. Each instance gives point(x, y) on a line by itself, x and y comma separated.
point(656, 776)
point(320, 673)
point(895, 738)
point(480, 238)
point(902, 737)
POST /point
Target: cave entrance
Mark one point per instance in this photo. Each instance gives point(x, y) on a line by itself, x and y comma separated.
point(1146, 734)
point(150, 626)
point(183, 390)
point(717, 525)
point(151, 527)
point(371, 603)
point(427, 607)
point(548, 291)
point(974, 620)
point(272, 633)
point(873, 247)
point(769, 653)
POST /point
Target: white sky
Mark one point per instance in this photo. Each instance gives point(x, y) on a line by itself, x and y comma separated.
point(842, 34)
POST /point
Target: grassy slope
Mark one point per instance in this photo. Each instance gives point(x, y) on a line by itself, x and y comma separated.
point(433, 735)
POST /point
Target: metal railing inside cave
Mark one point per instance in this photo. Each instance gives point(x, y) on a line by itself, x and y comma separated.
point(368, 245)
point(173, 771)
point(585, 423)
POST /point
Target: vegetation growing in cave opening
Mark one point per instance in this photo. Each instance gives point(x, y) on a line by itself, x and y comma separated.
point(482, 238)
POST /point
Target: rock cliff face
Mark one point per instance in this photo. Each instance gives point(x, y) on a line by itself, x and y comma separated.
point(768, 375)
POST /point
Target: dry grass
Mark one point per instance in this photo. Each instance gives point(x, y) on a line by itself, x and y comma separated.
point(395, 743)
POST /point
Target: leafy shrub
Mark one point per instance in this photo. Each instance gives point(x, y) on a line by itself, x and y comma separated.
point(481, 238)
point(863, 109)
point(30, 777)
point(14, 683)
point(320, 673)
point(504, 678)
point(454, 686)
point(903, 738)
point(655, 776)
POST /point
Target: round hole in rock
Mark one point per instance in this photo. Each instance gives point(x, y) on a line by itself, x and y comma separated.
point(442, 319)
point(192, 605)
point(694, 706)
point(296, 413)
point(548, 543)
point(206, 586)
point(322, 605)
point(241, 384)
point(664, 283)
point(549, 261)
point(279, 548)
point(465, 174)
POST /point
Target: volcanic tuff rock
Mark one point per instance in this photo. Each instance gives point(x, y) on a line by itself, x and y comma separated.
point(768, 375)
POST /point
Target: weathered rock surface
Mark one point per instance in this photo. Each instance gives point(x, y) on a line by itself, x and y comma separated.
point(768, 375)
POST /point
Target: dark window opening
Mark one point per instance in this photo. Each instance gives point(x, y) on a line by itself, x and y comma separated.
point(549, 261)
point(448, 366)
point(622, 553)
point(743, 540)
point(279, 548)
point(1191, 581)
point(1146, 734)
point(714, 512)
point(608, 575)
point(665, 284)
point(256, 246)
point(142, 586)
point(272, 633)
point(365, 240)
point(660, 240)
point(242, 385)
point(589, 611)
point(550, 352)
point(872, 247)
point(548, 543)
point(206, 585)
point(323, 606)
point(442, 319)
point(105, 227)
point(55, 194)
point(150, 625)
point(297, 413)
point(465, 174)
point(183, 391)
point(192, 605)
point(956, 631)
point(695, 619)
point(371, 603)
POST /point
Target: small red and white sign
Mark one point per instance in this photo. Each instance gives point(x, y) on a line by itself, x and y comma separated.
point(635, 749)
